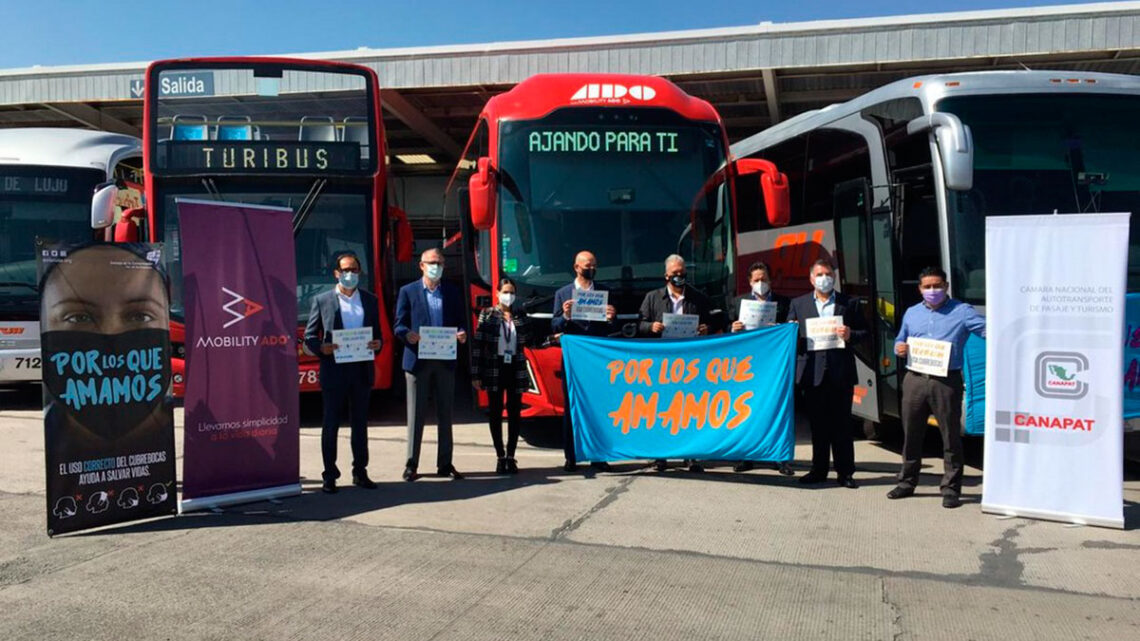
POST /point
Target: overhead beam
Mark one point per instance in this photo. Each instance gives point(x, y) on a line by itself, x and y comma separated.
point(84, 113)
point(398, 106)
point(770, 94)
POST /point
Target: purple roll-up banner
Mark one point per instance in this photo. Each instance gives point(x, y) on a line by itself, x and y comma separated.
point(239, 280)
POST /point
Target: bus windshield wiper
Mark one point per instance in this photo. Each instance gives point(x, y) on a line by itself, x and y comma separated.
point(17, 283)
point(307, 205)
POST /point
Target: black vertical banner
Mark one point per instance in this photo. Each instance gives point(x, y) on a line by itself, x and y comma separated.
point(108, 413)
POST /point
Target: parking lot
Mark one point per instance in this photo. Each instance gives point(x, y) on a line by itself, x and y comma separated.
point(550, 555)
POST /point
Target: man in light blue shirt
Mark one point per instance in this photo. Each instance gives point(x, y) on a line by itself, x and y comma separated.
point(941, 318)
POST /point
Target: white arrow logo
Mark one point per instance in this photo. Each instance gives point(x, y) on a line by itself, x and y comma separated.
point(137, 88)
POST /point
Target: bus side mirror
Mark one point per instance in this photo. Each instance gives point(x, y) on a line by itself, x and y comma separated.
point(103, 205)
point(955, 147)
point(482, 189)
point(773, 188)
point(405, 244)
point(127, 229)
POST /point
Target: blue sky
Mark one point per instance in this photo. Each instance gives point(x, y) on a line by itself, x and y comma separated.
point(60, 32)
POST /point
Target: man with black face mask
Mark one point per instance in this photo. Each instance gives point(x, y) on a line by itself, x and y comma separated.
point(346, 306)
point(585, 268)
point(676, 297)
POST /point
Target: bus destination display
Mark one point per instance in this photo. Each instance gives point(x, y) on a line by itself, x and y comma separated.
point(259, 157)
point(622, 141)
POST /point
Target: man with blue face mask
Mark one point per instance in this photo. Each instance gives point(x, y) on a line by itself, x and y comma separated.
point(940, 318)
point(346, 306)
point(826, 375)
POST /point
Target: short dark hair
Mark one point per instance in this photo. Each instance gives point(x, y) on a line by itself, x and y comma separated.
point(821, 261)
point(506, 280)
point(759, 265)
point(345, 254)
point(931, 271)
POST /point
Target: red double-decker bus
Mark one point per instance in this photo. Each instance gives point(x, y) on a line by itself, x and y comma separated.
point(628, 167)
point(303, 134)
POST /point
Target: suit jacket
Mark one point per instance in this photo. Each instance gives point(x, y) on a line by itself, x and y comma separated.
point(782, 304)
point(837, 364)
point(657, 303)
point(485, 351)
point(412, 313)
point(325, 317)
point(560, 325)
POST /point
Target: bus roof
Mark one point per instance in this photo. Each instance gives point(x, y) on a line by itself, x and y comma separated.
point(932, 88)
point(55, 147)
point(541, 94)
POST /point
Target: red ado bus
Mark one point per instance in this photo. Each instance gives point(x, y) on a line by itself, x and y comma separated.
point(304, 134)
point(628, 167)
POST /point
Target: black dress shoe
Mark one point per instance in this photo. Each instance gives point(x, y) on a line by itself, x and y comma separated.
point(601, 466)
point(450, 470)
point(785, 469)
point(900, 492)
point(410, 474)
point(501, 465)
point(951, 501)
point(848, 482)
point(512, 465)
point(696, 468)
point(742, 466)
point(569, 467)
point(660, 465)
point(329, 486)
point(361, 480)
point(812, 478)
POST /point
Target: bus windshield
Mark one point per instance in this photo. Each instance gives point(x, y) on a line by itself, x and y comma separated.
point(339, 221)
point(633, 185)
point(260, 118)
point(52, 203)
point(1039, 154)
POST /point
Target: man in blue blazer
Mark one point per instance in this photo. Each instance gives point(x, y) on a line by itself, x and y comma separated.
point(429, 302)
point(346, 306)
point(827, 376)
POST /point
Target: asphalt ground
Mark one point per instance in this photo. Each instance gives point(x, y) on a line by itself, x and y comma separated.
point(632, 554)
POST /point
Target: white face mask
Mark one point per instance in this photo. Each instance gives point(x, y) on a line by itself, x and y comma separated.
point(824, 284)
point(761, 288)
point(349, 280)
point(434, 272)
point(507, 299)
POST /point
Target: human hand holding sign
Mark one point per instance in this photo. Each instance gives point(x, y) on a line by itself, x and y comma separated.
point(374, 345)
point(462, 336)
point(328, 348)
point(412, 338)
point(901, 349)
point(567, 308)
point(843, 332)
point(657, 327)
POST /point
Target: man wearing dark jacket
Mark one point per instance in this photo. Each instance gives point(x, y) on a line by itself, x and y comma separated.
point(760, 284)
point(429, 302)
point(827, 376)
point(561, 322)
point(346, 306)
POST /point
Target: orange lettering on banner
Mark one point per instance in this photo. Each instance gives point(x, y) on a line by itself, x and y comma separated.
point(695, 409)
point(743, 410)
point(718, 411)
point(615, 368)
point(671, 417)
point(729, 369)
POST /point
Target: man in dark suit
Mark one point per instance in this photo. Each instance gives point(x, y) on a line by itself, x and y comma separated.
point(827, 376)
point(429, 302)
point(346, 306)
point(676, 297)
point(585, 268)
point(760, 282)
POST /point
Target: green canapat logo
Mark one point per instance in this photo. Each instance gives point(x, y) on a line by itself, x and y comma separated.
point(1060, 373)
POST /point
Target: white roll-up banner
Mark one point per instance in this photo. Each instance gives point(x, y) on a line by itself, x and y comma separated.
point(1055, 288)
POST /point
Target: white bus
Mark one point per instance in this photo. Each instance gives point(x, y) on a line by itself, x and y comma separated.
point(47, 180)
point(903, 177)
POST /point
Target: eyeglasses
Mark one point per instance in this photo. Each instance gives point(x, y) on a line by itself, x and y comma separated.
point(432, 262)
point(350, 270)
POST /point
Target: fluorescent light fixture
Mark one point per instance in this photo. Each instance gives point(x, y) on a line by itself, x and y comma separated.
point(415, 159)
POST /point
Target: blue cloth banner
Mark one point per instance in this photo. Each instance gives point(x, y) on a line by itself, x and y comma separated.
point(1132, 357)
point(725, 397)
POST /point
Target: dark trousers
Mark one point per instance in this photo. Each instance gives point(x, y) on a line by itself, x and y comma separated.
point(829, 413)
point(942, 397)
point(354, 390)
point(507, 375)
point(430, 378)
point(567, 423)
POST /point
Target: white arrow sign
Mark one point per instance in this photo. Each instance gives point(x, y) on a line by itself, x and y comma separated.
point(137, 88)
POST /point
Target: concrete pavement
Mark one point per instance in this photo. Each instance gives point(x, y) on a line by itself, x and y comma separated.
point(550, 555)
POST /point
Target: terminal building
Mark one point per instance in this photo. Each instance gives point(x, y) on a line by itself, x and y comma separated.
point(755, 76)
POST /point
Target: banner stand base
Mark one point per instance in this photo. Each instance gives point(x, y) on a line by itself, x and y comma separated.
point(251, 496)
point(1072, 520)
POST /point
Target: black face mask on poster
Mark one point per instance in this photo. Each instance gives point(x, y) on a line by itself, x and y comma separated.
point(139, 394)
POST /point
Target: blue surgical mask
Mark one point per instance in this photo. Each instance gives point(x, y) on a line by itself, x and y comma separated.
point(824, 284)
point(348, 280)
point(434, 272)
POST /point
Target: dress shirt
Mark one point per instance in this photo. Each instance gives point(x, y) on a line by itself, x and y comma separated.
point(825, 308)
point(435, 304)
point(953, 321)
point(351, 309)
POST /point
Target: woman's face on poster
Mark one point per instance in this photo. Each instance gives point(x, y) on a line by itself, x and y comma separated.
point(108, 290)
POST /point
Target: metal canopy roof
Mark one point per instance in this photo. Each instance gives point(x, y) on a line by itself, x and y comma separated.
point(754, 75)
